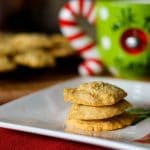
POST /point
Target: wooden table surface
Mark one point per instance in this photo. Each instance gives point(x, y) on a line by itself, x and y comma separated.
point(24, 81)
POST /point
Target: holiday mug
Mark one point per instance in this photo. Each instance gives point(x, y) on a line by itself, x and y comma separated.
point(123, 41)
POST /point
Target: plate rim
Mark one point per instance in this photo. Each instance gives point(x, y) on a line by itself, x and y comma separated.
point(97, 141)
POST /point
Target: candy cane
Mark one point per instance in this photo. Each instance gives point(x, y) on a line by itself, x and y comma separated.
point(84, 45)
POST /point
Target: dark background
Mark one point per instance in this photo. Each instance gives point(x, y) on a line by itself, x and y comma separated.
point(30, 15)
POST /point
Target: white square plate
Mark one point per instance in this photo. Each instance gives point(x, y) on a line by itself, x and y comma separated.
point(44, 113)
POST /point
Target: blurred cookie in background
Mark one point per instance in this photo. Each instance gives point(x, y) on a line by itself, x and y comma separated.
point(6, 64)
point(35, 59)
point(5, 44)
point(60, 46)
point(24, 42)
point(33, 50)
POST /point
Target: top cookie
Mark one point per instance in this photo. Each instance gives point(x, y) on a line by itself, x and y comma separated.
point(94, 94)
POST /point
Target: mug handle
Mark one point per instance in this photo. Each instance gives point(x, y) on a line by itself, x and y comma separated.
point(80, 41)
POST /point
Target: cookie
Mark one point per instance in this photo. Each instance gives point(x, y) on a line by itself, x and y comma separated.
point(60, 46)
point(61, 52)
point(6, 64)
point(59, 40)
point(35, 59)
point(5, 46)
point(83, 112)
point(6, 49)
point(24, 42)
point(94, 94)
point(94, 126)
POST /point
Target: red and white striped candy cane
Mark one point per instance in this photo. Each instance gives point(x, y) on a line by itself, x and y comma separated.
point(84, 44)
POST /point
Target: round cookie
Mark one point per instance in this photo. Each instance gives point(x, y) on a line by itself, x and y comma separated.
point(5, 46)
point(6, 49)
point(24, 42)
point(94, 94)
point(60, 46)
point(59, 52)
point(6, 64)
point(35, 59)
point(83, 112)
point(93, 127)
point(59, 40)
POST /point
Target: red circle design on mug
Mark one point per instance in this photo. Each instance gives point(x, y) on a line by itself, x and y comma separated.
point(134, 41)
point(84, 44)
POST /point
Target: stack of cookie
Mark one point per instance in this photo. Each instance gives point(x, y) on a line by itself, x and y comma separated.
point(97, 106)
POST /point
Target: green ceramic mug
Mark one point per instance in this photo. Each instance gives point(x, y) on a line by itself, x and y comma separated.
point(123, 41)
point(123, 29)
